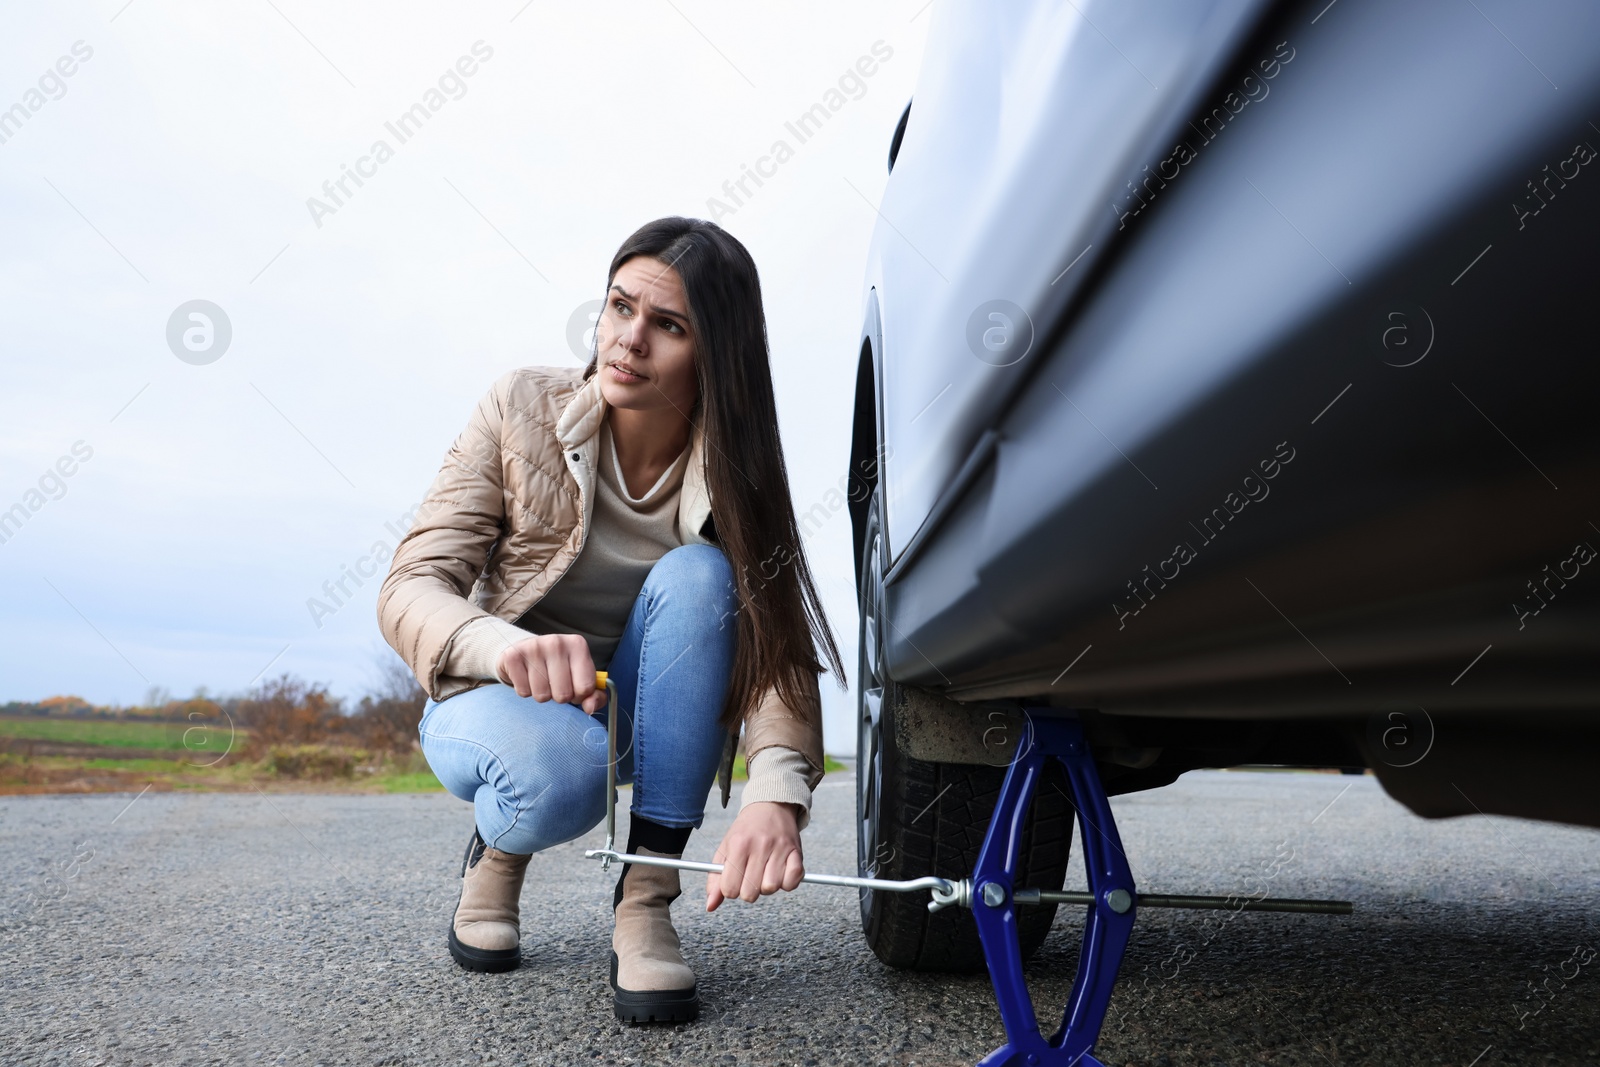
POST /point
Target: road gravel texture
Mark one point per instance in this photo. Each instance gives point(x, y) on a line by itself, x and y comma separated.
point(291, 929)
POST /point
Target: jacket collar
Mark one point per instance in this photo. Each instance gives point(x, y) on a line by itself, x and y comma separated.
point(580, 419)
point(578, 430)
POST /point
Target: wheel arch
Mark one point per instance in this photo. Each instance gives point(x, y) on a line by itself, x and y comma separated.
point(866, 433)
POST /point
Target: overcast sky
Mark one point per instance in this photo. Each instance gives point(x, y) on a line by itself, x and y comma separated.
point(182, 507)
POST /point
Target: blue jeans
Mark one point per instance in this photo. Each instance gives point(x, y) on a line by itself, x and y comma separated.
point(535, 771)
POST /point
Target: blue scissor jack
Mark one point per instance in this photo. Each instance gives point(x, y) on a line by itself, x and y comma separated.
point(1112, 899)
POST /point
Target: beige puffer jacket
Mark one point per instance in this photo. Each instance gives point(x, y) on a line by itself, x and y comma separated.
point(505, 518)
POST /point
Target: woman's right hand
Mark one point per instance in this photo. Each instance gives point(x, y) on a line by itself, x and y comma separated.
point(552, 667)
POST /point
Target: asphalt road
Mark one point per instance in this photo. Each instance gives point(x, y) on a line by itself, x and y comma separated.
point(301, 929)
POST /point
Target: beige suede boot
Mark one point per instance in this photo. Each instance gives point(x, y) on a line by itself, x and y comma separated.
point(649, 979)
point(484, 935)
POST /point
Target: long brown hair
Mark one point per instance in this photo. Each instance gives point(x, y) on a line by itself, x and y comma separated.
point(780, 617)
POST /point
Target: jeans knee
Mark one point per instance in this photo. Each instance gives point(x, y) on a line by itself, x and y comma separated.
point(695, 565)
point(697, 576)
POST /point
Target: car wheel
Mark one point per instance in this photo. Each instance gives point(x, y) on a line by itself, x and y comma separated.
point(916, 818)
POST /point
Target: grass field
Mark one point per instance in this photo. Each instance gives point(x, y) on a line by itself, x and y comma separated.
point(98, 756)
point(40, 755)
point(110, 733)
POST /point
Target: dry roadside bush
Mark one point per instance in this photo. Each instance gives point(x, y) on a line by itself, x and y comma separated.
point(316, 761)
point(386, 718)
point(285, 718)
point(287, 711)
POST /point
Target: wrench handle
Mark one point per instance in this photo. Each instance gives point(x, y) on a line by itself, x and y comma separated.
point(602, 680)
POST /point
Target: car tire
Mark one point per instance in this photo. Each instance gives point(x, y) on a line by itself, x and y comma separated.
point(916, 818)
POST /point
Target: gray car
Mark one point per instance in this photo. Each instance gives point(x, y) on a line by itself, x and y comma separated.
point(1227, 373)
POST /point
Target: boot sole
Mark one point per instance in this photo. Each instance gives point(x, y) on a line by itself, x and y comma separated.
point(653, 1005)
point(484, 960)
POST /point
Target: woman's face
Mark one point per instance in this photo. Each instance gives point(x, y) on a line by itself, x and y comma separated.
point(646, 350)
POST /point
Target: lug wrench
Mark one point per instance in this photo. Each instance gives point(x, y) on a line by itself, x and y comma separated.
point(609, 853)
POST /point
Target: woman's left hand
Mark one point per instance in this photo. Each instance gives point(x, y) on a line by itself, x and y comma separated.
point(760, 855)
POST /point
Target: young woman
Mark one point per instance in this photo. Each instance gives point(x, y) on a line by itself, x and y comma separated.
point(631, 516)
